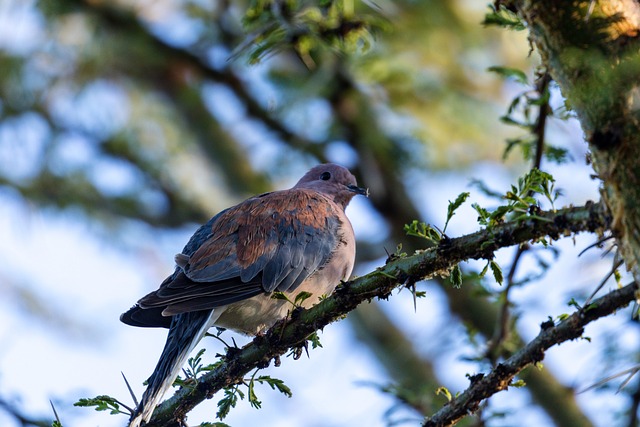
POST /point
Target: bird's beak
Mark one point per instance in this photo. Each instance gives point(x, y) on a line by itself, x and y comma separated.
point(359, 190)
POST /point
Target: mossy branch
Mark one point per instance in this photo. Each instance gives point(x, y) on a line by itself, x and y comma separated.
point(397, 272)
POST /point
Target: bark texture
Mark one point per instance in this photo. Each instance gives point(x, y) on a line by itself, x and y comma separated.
point(590, 48)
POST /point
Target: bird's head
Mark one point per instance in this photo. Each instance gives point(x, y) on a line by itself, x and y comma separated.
point(334, 181)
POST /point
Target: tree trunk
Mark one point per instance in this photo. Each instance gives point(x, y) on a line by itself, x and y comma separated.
point(590, 48)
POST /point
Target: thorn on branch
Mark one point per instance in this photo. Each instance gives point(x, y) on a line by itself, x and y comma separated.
point(263, 364)
point(232, 353)
point(597, 244)
point(297, 350)
point(445, 242)
point(133, 395)
point(475, 378)
point(547, 324)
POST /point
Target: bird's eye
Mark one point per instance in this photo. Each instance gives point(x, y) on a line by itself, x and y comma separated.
point(326, 176)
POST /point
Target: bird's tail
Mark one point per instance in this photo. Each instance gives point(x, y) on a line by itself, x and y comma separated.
point(186, 331)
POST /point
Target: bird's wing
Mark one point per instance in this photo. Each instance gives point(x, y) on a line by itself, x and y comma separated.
point(270, 242)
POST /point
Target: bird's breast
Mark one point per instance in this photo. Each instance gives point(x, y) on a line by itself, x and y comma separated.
point(258, 313)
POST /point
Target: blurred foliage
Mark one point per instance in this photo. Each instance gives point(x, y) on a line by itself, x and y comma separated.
point(120, 108)
point(166, 111)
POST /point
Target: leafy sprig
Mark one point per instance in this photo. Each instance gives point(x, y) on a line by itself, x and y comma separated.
point(431, 233)
point(503, 17)
point(105, 403)
point(308, 28)
point(194, 370)
point(234, 393)
point(453, 206)
point(521, 200)
point(521, 204)
point(424, 231)
point(496, 270)
point(298, 299)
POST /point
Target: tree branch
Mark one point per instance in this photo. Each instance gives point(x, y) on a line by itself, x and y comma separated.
point(484, 386)
point(554, 398)
point(422, 265)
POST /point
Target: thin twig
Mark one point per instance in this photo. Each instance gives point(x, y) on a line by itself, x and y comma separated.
point(629, 372)
point(595, 244)
point(542, 87)
point(616, 265)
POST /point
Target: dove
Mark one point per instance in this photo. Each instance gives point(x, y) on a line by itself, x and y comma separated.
point(287, 241)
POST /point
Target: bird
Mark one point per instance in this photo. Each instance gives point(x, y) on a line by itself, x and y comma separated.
point(288, 241)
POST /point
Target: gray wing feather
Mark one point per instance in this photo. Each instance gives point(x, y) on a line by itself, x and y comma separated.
point(288, 247)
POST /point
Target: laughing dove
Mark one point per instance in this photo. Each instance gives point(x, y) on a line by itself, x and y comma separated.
point(288, 241)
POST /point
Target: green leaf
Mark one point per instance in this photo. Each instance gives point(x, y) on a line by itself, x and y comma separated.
point(275, 384)
point(102, 403)
point(399, 252)
point(445, 392)
point(279, 295)
point(503, 17)
point(508, 120)
point(497, 216)
point(497, 271)
point(557, 155)
point(539, 182)
point(301, 297)
point(483, 214)
point(618, 277)
point(510, 73)
point(573, 303)
point(283, 297)
point(456, 276)
point(233, 393)
point(194, 362)
point(480, 185)
point(515, 103)
point(229, 401)
point(253, 398)
point(484, 269)
point(451, 209)
point(526, 144)
point(194, 370)
point(423, 230)
point(518, 384)
point(314, 339)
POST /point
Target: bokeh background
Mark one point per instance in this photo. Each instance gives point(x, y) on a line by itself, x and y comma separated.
point(126, 124)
